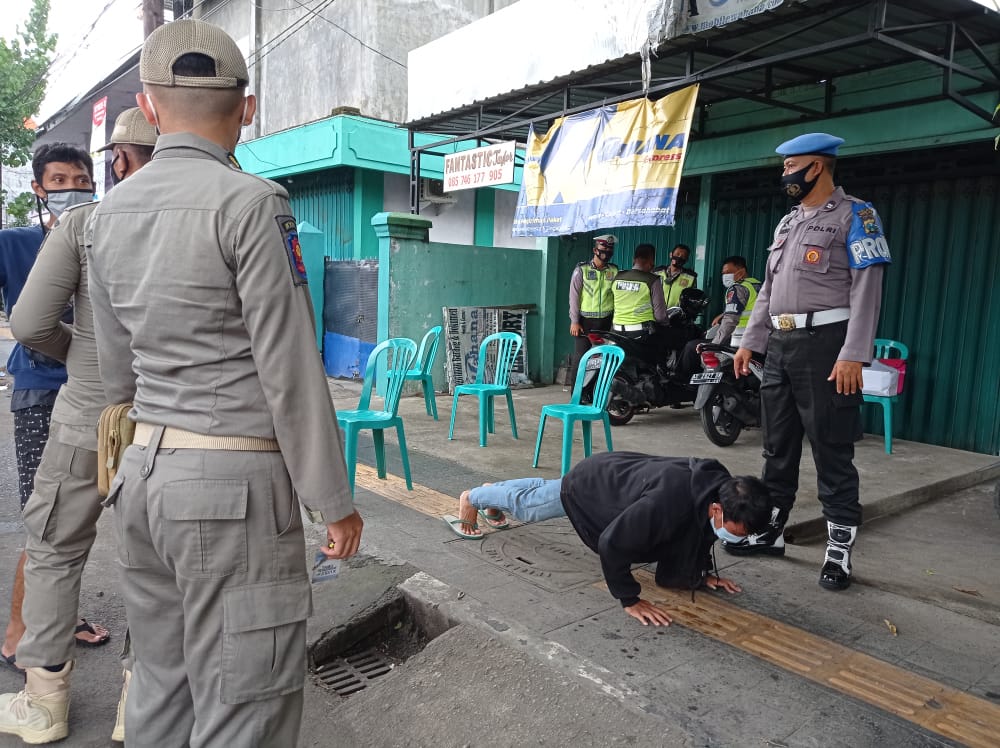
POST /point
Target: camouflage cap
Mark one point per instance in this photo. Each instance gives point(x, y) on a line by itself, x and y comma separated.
point(173, 40)
point(131, 127)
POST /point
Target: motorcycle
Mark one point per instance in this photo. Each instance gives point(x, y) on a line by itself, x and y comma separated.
point(727, 404)
point(648, 376)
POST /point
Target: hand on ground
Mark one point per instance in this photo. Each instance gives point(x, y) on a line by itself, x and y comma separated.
point(714, 583)
point(648, 613)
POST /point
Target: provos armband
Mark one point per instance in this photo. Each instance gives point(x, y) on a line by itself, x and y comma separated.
point(866, 244)
point(290, 238)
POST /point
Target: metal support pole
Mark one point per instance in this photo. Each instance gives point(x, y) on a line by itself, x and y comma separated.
point(414, 175)
point(152, 16)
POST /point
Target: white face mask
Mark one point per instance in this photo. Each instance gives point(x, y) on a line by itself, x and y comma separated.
point(728, 279)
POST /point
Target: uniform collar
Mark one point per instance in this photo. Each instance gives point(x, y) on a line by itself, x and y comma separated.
point(836, 198)
point(189, 145)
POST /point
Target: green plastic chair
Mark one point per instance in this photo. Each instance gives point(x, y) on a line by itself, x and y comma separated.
point(508, 344)
point(573, 411)
point(421, 371)
point(398, 354)
point(883, 349)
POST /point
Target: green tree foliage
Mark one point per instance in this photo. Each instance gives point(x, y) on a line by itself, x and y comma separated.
point(19, 209)
point(24, 67)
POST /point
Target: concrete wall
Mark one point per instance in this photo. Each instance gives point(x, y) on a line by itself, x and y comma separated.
point(311, 65)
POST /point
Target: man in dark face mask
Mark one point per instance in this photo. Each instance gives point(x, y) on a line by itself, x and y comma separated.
point(591, 303)
point(675, 277)
point(815, 317)
point(64, 177)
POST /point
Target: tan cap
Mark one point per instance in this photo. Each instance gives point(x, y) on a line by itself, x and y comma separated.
point(172, 40)
point(131, 127)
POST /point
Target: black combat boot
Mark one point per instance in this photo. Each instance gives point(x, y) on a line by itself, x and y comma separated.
point(771, 542)
point(836, 572)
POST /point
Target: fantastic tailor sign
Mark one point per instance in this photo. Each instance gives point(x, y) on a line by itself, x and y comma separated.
point(479, 167)
point(615, 166)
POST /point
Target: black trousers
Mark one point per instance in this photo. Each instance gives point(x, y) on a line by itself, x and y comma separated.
point(797, 399)
point(582, 342)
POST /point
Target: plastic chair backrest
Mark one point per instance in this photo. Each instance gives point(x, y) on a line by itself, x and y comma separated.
point(422, 363)
point(612, 359)
point(399, 354)
point(885, 346)
point(508, 344)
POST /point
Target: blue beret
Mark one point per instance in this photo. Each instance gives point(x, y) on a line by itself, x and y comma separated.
point(812, 142)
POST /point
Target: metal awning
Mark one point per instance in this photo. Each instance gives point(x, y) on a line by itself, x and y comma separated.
point(765, 59)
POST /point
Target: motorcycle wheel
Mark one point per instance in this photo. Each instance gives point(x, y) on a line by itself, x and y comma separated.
point(620, 412)
point(721, 428)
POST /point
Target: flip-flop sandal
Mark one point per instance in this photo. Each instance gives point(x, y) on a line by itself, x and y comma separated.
point(455, 525)
point(10, 661)
point(497, 521)
point(85, 626)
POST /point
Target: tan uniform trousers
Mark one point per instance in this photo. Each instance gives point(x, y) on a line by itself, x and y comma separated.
point(217, 594)
point(60, 520)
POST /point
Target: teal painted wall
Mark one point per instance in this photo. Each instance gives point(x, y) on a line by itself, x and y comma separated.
point(369, 199)
point(418, 278)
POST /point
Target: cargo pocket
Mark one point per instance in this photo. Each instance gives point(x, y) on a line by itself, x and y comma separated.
point(205, 533)
point(264, 640)
point(39, 522)
point(814, 255)
point(844, 419)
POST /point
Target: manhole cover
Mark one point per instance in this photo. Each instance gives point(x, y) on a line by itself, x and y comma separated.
point(548, 555)
point(347, 675)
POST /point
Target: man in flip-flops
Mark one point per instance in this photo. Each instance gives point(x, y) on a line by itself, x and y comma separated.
point(632, 508)
point(66, 482)
point(63, 177)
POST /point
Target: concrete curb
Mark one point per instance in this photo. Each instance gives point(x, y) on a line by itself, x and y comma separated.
point(813, 529)
point(424, 590)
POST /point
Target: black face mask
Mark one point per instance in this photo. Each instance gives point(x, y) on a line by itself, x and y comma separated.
point(605, 255)
point(678, 261)
point(796, 186)
point(115, 179)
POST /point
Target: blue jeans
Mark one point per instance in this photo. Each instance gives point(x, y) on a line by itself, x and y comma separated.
point(526, 499)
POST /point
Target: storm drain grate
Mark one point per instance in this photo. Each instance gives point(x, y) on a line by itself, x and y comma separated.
point(347, 675)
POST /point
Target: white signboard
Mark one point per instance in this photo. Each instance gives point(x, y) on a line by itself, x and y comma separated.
point(707, 14)
point(479, 167)
point(98, 136)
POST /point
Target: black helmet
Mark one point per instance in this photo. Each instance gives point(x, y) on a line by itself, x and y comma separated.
point(693, 301)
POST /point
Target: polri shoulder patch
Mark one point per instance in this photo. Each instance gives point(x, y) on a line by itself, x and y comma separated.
point(290, 238)
point(866, 244)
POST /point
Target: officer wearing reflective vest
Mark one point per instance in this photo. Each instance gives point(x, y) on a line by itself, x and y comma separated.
point(638, 296)
point(741, 295)
point(674, 277)
point(815, 318)
point(590, 296)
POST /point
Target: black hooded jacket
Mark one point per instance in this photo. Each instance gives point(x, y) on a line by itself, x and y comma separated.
point(633, 508)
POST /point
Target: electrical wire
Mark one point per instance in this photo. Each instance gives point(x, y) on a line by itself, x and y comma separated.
point(359, 41)
point(285, 34)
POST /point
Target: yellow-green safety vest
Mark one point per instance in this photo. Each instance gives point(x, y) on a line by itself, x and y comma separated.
point(753, 286)
point(596, 294)
point(672, 287)
point(633, 297)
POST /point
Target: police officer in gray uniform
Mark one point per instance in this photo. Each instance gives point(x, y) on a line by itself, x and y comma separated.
point(61, 520)
point(815, 317)
point(204, 321)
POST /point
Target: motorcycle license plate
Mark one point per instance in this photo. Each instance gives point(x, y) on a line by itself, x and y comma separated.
point(707, 377)
point(593, 364)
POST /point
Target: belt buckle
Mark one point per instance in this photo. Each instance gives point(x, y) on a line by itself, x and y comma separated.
point(786, 321)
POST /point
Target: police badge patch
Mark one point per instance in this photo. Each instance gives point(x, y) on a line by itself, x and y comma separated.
point(290, 238)
point(866, 244)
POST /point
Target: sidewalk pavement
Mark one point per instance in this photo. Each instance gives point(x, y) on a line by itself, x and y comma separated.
point(914, 473)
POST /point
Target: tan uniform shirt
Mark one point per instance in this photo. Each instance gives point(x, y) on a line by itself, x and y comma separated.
point(206, 322)
point(808, 271)
point(59, 276)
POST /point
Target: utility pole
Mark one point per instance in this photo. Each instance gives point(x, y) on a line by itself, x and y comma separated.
point(152, 16)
